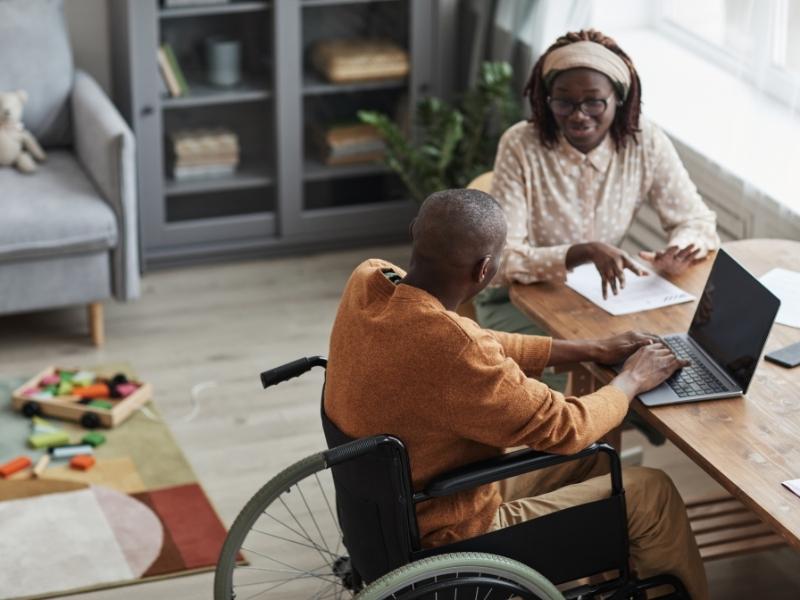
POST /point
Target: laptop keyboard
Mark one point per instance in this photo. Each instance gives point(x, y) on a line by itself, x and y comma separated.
point(694, 380)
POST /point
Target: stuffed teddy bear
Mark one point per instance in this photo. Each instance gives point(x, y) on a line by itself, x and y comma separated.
point(18, 147)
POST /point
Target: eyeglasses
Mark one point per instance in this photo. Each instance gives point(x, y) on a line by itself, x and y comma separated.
point(591, 108)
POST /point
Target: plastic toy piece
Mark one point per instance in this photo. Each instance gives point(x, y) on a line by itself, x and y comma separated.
point(94, 439)
point(126, 389)
point(70, 450)
point(43, 423)
point(83, 378)
point(53, 379)
point(96, 390)
point(12, 466)
point(42, 440)
point(65, 388)
point(66, 375)
point(41, 465)
point(83, 462)
point(40, 425)
point(104, 404)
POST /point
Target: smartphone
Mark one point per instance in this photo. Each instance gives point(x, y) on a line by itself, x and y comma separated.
point(786, 357)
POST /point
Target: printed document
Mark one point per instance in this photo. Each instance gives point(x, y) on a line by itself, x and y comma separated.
point(641, 293)
point(785, 284)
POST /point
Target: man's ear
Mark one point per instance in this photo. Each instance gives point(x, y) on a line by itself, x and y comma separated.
point(411, 228)
point(482, 268)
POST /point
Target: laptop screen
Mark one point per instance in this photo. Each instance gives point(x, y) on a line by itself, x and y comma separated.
point(733, 318)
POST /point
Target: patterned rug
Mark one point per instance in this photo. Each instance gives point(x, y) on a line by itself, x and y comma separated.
point(138, 514)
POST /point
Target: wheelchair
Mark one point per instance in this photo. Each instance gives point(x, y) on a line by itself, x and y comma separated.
point(341, 523)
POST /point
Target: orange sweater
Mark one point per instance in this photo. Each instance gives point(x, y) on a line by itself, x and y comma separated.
point(454, 393)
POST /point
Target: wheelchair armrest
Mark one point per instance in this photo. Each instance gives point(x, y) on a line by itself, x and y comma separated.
point(510, 465)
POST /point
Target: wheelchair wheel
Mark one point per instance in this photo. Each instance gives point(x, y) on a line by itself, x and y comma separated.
point(286, 542)
point(462, 575)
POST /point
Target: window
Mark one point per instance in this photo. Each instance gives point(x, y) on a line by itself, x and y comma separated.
point(758, 40)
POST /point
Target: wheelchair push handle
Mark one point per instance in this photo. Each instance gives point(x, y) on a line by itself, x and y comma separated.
point(292, 369)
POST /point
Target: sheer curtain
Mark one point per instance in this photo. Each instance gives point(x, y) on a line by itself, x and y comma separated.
point(515, 31)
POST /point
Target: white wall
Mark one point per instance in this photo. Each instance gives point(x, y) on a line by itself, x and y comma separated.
point(89, 33)
point(611, 16)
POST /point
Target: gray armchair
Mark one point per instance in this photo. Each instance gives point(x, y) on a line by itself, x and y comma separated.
point(68, 233)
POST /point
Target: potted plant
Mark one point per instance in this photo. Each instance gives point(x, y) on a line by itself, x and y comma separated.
point(451, 145)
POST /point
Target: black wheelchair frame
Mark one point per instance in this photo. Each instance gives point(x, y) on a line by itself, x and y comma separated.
point(376, 509)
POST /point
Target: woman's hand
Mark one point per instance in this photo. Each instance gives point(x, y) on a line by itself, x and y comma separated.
point(672, 260)
point(610, 261)
point(616, 349)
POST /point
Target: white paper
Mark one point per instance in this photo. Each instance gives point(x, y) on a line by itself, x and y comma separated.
point(641, 293)
point(785, 284)
point(794, 485)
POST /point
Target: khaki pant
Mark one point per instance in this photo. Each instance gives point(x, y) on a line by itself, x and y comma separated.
point(660, 538)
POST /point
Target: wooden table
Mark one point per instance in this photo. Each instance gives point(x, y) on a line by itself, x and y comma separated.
point(748, 444)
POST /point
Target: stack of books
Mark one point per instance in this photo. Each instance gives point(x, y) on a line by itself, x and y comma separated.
point(348, 144)
point(172, 77)
point(200, 153)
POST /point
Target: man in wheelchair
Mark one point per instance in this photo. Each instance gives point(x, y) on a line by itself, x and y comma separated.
point(403, 362)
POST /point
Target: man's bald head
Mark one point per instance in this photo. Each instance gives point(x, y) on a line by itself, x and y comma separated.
point(458, 227)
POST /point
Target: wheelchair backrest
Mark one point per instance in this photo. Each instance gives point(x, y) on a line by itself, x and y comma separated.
point(374, 504)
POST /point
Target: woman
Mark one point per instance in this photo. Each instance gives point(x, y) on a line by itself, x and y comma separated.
point(571, 179)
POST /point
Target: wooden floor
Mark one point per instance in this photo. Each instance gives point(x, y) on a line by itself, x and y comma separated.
point(212, 330)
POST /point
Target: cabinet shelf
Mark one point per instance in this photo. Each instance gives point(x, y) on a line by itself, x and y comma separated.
point(314, 170)
point(280, 199)
point(213, 9)
point(341, 2)
point(313, 85)
point(245, 178)
point(205, 94)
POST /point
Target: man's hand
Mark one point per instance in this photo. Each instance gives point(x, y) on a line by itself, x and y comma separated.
point(672, 260)
point(648, 367)
point(610, 261)
point(613, 350)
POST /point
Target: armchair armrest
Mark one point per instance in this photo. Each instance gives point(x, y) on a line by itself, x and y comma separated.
point(105, 147)
point(511, 465)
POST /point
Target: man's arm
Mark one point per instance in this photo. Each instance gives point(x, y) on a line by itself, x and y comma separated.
point(607, 351)
point(490, 400)
point(533, 353)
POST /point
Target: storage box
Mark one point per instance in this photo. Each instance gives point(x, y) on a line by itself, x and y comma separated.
point(29, 399)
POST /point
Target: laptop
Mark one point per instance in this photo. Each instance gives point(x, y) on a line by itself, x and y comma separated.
point(730, 327)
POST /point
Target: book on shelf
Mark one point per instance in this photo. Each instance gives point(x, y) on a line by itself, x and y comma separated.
point(198, 153)
point(167, 75)
point(350, 60)
point(349, 143)
point(202, 171)
point(176, 68)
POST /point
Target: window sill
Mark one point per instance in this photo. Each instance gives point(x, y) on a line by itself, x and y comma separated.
point(757, 143)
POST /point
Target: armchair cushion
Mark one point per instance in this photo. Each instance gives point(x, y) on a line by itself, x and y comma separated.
point(36, 57)
point(53, 213)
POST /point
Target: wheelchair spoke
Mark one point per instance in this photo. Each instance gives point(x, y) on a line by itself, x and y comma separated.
point(311, 514)
point(300, 525)
point(319, 549)
point(330, 511)
point(312, 545)
point(333, 588)
point(312, 572)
